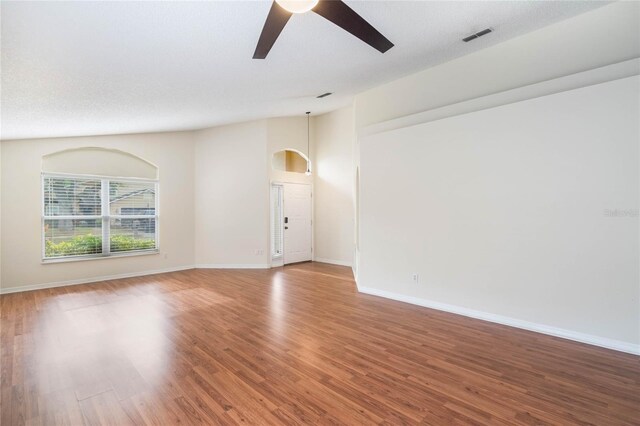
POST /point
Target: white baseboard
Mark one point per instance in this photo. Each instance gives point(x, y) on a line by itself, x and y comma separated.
point(91, 280)
point(232, 266)
point(18, 289)
point(331, 261)
point(616, 345)
point(513, 322)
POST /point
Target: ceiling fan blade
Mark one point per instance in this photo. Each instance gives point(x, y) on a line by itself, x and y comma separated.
point(276, 20)
point(346, 18)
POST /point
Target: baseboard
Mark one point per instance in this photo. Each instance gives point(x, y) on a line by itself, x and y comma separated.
point(91, 280)
point(128, 275)
point(616, 345)
point(232, 266)
point(331, 261)
point(499, 319)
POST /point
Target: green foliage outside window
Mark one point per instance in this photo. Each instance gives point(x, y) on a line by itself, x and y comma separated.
point(92, 244)
point(126, 243)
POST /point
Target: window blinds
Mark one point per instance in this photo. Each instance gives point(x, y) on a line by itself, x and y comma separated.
point(97, 217)
point(132, 213)
point(72, 217)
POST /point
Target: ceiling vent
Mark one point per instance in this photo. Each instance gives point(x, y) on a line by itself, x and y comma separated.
point(324, 95)
point(476, 35)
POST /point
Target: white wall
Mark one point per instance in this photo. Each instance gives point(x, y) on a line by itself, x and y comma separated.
point(232, 196)
point(596, 47)
point(21, 209)
point(594, 39)
point(502, 213)
point(334, 186)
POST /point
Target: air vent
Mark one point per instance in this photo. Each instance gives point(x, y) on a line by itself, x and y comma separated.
point(476, 35)
point(324, 95)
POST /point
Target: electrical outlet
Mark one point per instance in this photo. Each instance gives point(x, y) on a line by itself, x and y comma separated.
point(415, 278)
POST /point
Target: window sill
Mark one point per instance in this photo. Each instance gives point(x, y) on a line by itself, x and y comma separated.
point(99, 257)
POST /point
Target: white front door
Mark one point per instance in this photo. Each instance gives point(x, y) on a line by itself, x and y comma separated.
point(297, 223)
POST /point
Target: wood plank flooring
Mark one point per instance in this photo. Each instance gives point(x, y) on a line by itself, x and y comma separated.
point(294, 345)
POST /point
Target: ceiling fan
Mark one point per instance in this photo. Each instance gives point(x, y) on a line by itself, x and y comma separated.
point(335, 11)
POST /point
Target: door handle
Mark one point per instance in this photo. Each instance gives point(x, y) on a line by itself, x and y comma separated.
point(286, 220)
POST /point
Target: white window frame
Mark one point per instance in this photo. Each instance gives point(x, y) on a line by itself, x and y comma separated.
point(105, 217)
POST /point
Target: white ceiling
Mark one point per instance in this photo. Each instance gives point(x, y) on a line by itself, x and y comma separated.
point(89, 68)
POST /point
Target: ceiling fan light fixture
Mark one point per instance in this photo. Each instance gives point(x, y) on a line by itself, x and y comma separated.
point(335, 11)
point(297, 6)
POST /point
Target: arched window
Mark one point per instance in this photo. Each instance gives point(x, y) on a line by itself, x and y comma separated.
point(98, 202)
point(290, 160)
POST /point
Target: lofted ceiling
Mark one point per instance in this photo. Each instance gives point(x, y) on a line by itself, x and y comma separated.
point(91, 68)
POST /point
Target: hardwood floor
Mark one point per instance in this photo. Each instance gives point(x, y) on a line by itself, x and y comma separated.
point(294, 345)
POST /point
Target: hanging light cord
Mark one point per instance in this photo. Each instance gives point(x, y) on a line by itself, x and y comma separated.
point(308, 143)
point(308, 149)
